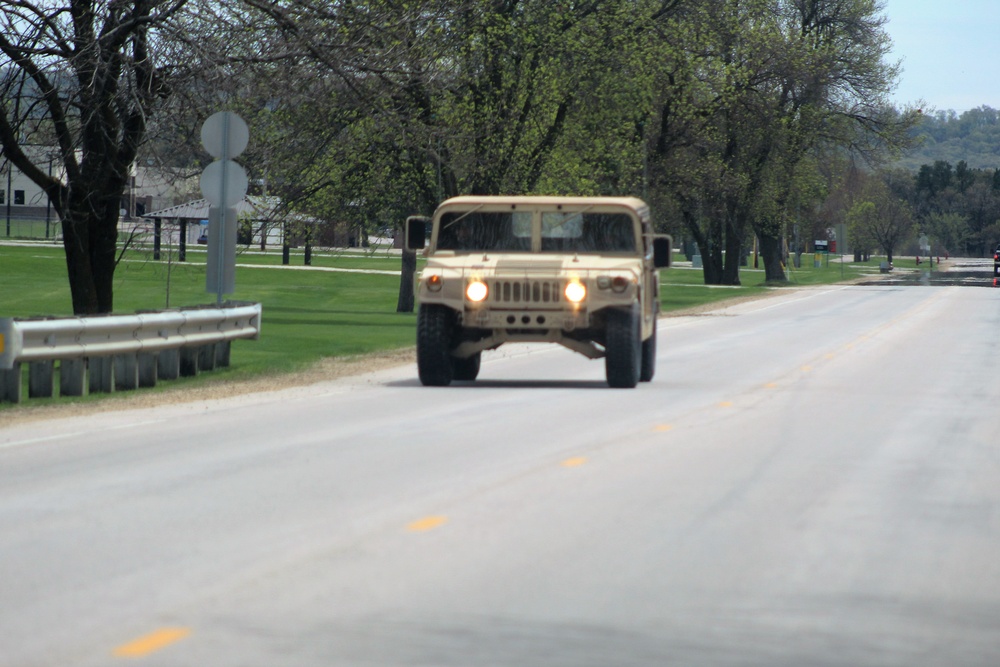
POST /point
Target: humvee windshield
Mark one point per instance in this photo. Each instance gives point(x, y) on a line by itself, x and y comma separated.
point(510, 231)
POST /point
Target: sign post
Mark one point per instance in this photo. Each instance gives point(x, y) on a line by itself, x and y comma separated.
point(820, 247)
point(224, 184)
point(925, 245)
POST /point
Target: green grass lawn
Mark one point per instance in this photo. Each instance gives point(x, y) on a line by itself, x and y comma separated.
point(307, 315)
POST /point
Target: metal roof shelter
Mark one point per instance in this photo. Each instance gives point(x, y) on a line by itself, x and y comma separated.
point(256, 209)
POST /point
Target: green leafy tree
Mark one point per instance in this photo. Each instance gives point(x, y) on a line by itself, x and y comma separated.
point(830, 84)
point(892, 222)
point(861, 220)
point(754, 89)
point(463, 97)
point(949, 230)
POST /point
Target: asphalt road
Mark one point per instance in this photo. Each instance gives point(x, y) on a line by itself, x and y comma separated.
point(811, 479)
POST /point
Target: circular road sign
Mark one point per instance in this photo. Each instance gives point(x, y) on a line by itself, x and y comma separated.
point(225, 135)
point(224, 183)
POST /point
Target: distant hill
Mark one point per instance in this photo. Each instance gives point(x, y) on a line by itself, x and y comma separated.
point(973, 136)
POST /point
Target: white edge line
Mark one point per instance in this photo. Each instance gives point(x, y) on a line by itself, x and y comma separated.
point(60, 436)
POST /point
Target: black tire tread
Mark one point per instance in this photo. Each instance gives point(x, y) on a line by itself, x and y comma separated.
point(648, 369)
point(435, 328)
point(466, 370)
point(623, 352)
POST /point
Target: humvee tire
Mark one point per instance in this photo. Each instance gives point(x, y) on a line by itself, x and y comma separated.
point(623, 358)
point(435, 326)
point(466, 369)
point(648, 357)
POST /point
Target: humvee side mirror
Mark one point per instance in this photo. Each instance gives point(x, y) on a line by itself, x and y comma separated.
point(416, 232)
point(663, 252)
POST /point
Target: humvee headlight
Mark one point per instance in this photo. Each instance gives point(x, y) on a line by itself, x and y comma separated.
point(434, 283)
point(575, 291)
point(477, 291)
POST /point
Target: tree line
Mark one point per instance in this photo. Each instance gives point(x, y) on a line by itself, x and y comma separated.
point(971, 137)
point(724, 114)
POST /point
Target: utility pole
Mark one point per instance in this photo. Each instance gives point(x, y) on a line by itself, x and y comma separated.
point(9, 170)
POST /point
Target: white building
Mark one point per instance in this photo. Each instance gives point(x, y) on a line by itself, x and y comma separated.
point(24, 206)
point(25, 210)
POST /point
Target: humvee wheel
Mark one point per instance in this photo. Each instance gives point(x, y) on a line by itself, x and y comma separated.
point(435, 325)
point(648, 357)
point(623, 353)
point(466, 369)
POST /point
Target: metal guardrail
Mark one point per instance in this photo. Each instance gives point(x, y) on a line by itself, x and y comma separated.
point(108, 352)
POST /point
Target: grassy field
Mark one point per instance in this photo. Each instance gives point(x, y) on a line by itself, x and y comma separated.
point(307, 314)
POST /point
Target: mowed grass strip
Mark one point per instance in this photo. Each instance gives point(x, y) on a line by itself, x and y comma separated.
point(307, 315)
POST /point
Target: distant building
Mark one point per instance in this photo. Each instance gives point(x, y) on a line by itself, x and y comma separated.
point(24, 207)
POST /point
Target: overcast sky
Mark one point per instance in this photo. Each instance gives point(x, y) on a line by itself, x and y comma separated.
point(950, 52)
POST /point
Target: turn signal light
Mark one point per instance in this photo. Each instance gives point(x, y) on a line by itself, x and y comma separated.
point(619, 283)
point(434, 283)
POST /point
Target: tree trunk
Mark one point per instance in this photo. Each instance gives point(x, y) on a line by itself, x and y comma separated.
point(715, 265)
point(734, 254)
point(90, 236)
point(771, 253)
point(711, 268)
point(405, 302)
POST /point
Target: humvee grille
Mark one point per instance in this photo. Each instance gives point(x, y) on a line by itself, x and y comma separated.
point(518, 292)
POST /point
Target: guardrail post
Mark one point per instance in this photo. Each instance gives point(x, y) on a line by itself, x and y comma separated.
point(222, 350)
point(147, 369)
point(126, 371)
point(102, 375)
point(189, 361)
point(168, 364)
point(40, 379)
point(206, 357)
point(72, 377)
point(10, 384)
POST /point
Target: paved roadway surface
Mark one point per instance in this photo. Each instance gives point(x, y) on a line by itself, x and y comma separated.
point(811, 479)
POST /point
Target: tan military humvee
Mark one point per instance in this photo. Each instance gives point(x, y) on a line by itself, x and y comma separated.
point(578, 271)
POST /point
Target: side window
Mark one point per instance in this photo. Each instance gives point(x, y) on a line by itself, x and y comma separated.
point(19, 197)
point(3, 196)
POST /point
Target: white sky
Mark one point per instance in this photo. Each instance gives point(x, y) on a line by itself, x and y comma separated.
point(950, 52)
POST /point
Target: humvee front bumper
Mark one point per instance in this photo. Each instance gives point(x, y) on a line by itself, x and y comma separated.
point(484, 318)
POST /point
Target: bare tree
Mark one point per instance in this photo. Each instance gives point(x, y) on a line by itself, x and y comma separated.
point(86, 77)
